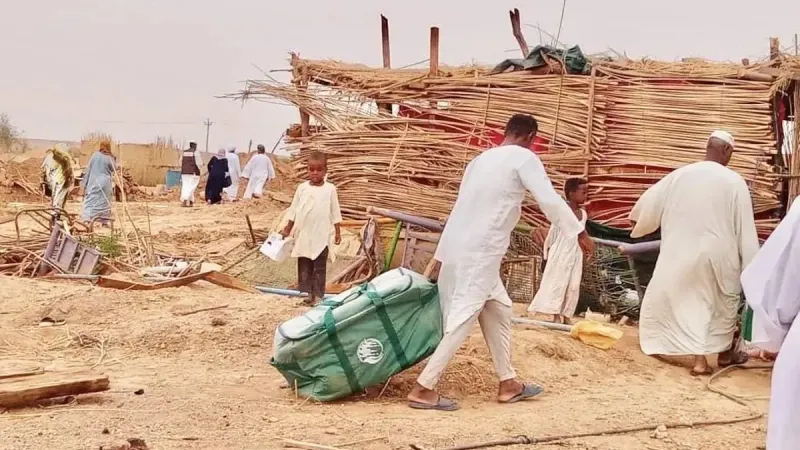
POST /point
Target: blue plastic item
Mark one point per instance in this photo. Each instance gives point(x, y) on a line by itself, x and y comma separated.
point(173, 178)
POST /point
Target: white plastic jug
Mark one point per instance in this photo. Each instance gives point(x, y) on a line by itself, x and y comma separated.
point(277, 248)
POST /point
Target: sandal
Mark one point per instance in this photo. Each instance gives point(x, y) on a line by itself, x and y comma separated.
point(443, 404)
point(528, 391)
point(696, 373)
point(738, 358)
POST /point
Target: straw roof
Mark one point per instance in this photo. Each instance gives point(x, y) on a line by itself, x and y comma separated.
point(623, 127)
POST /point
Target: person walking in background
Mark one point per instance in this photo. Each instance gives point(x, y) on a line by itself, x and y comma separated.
point(58, 176)
point(235, 169)
point(471, 249)
point(190, 163)
point(708, 235)
point(258, 171)
point(561, 281)
point(218, 177)
point(98, 186)
point(771, 284)
point(313, 217)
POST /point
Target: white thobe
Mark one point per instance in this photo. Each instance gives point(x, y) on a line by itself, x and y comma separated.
point(315, 212)
point(560, 288)
point(708, 234)
point(477, 234)
point(771, 285)
point(235, 171)
point(258, 171)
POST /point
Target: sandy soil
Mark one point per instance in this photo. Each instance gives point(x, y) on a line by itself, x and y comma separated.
point(207, 383)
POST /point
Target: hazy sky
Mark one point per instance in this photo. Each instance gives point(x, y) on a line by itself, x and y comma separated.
point(143, 68)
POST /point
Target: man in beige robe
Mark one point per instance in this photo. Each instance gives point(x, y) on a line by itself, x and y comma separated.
point(708, 236)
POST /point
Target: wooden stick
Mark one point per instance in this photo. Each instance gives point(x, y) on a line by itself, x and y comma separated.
point(195, 311)
point(307, 445)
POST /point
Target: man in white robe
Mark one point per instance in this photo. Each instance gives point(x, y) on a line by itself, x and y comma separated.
point(708, 235)
point(258, 171)
point(771, 285)
point(472, 246)
point(235, 171)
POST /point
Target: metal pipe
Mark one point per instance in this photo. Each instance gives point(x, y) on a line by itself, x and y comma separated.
point(430, 224)
point(550, 325)
point(287, 292)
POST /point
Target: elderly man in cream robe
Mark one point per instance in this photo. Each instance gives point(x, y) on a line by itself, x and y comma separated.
point(771, 284)
point(470, 251)
point(708, 235)
point(235, 171)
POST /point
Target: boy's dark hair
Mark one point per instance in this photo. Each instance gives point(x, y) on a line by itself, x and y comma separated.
point(318, 156)
point(572, 185)
point(521, 125)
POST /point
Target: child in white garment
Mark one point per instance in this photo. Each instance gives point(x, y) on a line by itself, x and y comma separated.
point(313, 216)
point(561, 282)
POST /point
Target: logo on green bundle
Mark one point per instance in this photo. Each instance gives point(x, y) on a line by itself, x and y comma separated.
point(370, 351)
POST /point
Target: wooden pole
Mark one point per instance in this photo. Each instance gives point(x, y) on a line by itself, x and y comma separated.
point(300, 79)
point(516, 29)
point(434, 58)
point(774, 49)
point(387, 58)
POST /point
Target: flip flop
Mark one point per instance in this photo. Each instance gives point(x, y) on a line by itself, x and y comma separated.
point(443, 404)
point(528, 391)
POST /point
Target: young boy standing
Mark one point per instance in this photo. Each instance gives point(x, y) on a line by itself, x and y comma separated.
point(313, 216)
point(561, 281)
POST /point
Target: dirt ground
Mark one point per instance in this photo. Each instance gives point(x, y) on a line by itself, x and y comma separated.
point(207, 383)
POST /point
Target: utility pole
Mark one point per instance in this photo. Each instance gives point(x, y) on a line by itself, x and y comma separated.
point(208, 124)
point(796, 46)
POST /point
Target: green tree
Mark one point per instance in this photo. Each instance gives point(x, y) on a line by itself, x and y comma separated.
point(10, 136)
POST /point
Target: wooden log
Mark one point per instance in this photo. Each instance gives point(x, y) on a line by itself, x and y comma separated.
point(22, 391)
point(516, 30)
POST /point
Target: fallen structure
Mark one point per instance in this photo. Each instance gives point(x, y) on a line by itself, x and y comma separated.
point(401, 138)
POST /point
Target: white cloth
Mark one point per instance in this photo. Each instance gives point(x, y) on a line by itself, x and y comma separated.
point(724, 136)
point(488, 207)
point(560, 287)
point(771, 284)
point(235, 171)
point(708, 234)
point(495, 320)
point(258, 171)
point(189, 184)
point(314, 211)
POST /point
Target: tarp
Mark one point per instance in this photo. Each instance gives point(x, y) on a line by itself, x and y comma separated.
point(574, 60)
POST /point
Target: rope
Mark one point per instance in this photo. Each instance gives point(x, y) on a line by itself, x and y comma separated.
point(530, 440)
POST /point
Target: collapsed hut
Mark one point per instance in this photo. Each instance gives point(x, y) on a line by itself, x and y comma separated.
point(401, 138)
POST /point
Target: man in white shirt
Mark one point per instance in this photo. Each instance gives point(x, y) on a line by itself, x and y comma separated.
point(471, 249)
point(258, 171)
point(235, 171)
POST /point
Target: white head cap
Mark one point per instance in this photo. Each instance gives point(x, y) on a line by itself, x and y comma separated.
point(232, 149)
point(723, 136)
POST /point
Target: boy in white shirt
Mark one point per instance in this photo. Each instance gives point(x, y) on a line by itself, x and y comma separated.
point(313, 216)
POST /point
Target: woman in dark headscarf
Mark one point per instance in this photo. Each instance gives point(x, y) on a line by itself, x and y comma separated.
point(218, 178)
